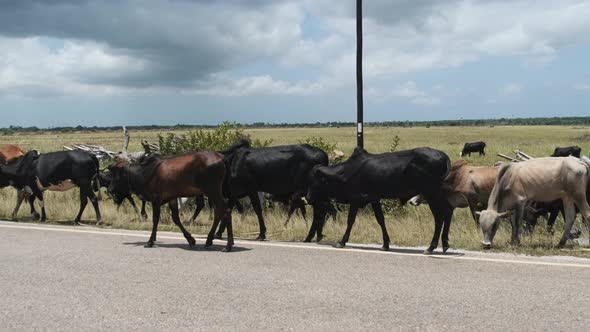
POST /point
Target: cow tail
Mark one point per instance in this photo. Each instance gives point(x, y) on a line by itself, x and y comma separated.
point(96, 178)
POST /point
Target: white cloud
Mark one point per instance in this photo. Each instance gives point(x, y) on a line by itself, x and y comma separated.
point(408, 91)
point(157, 45)
point(511, 89)
point(223, 85)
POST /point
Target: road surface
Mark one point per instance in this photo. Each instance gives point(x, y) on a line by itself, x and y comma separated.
point(81, 278)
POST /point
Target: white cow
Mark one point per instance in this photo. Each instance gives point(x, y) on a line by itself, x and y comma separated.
point(539, 180)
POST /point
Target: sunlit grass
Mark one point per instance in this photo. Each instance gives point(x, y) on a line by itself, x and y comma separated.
point(410, 227)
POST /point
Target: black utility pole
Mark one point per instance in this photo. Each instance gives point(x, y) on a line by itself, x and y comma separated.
point(359, 73)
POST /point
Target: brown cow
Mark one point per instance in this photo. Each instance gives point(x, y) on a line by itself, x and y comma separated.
point(467, 186)
point(162, 180)
point(538, 180)
point(9, 153)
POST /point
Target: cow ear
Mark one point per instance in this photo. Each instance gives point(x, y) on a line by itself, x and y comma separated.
point(506, 214)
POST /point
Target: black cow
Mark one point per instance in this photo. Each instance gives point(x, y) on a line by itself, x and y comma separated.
point(468, 148)
point(549, 210)
point(367, 178)
point(105, 179)
point(282, 171)
point(574, 151)
point(55, 171)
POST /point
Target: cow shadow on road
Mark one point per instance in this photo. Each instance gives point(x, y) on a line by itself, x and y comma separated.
point(407, 251)
point(185, 246)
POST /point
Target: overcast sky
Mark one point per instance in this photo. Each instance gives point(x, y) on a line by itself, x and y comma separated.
point(103, 62)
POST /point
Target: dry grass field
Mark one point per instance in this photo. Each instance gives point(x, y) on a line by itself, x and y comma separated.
point(409, 226)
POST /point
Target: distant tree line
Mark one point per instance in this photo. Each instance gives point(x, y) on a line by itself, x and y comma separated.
point(560, 121)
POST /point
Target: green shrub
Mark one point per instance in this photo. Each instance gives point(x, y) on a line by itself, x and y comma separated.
point(394, 144)
point(327, 147)
point(216, 139)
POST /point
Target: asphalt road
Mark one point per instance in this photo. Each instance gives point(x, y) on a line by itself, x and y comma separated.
point(81, 278)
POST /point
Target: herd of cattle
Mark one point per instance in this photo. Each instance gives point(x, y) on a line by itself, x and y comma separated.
point(299, 174)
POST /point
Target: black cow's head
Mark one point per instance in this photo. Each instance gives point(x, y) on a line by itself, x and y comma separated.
point(119, 187)
point(318, 189)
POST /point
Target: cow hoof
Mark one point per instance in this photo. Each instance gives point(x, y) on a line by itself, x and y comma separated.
point(561, 244)
point(445, 249)
point(307, 240)
point(385, 248)
point(320, 237)
point(340, 245)
point(148, 245)
point(208, 244)
point(260, 238)
point(429, 251)
point(99, 223)
point(226, 249)
point(218, 236)
point(487, 246)
point(191, 242)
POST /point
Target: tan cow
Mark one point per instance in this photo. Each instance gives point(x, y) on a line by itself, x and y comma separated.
point(10, 152)
point(538, 180)
point(467, 186)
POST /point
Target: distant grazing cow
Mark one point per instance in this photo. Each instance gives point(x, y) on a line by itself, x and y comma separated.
point(162, 180)
point(278, 170)
point(367, 178)
point(536, 180)
point(468, 148)
point(574, 151)
point(55, 171)
point(467, 186)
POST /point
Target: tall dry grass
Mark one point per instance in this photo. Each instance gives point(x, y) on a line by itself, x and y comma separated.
point(411, 226)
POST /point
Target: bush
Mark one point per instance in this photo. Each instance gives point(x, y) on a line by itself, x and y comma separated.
point(328, 148)
point(216, 139)
point(394, 144)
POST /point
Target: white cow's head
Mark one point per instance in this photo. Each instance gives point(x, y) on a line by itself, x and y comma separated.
point(489, 220)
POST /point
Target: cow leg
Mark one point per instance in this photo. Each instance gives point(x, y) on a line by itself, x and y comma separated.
point(221, 211)
point(173, 204)
point(143, 213)
point(34, 214)
point(303, 212)
point(350, 222)
point(42, 204)
point(516, 223)
point(83, 202)
point(435, 209)
point(200, 204)
point(20, 196)
point(132, 202)
point(447, 218)
point(314, 224)
point(155, 220)
point(231, 204)
point(94, 201)
point(258, 209)
point(472, 208)
point(570, 217)
point(582, 205)
point(378, 211)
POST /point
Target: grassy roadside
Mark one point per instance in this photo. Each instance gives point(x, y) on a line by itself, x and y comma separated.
point(409, 227)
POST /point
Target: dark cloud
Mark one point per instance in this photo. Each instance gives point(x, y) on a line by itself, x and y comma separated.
point(176, 41)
